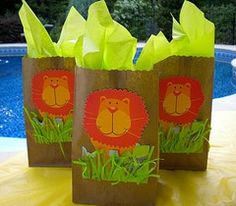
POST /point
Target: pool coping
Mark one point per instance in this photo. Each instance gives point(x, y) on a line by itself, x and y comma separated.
point(223, 53)
point(13, 45)
point(226, 47)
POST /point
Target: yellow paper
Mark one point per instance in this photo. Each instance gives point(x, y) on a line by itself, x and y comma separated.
point(39, 43)
point(73, 29)
point(105, 44)
point(156, 49)
point(194, 35)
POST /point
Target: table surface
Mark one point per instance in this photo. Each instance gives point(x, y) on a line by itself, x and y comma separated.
point(20, 185)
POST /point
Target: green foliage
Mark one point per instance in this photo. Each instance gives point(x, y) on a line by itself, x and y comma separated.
point(224, 18)
point(164, 19)
point(49, 10)
point(136, 166)
point(82, 6)
point(7, 6)
point(138, 16)
point(186, 139)
point(10, 29)
point(141, 17)
point(110, 4)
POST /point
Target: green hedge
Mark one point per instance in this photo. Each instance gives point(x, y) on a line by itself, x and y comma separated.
point(224, 18)
point(138, 16)
point(143, 17)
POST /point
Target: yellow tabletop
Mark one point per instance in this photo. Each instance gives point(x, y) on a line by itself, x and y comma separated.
point(20, 185)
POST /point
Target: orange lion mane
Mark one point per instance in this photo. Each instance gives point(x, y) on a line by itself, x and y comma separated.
point(138, 118)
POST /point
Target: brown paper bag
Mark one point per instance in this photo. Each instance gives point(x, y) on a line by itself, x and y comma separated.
point(115, 125)
point(185, 111)
point(48, 103)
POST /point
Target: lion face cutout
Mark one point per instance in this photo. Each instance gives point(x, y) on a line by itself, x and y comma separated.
point(55, 91)
point(52, 92)
point(177, 99)
point(180, 99)
point(114, 119)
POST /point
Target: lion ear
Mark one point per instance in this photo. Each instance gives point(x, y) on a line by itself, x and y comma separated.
point(125, 100)
point(169, 84)
point(64, 77)
point(188, 85)
point(45, 77)
point(102, 98)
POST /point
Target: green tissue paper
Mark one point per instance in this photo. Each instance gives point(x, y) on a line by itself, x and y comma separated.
point(39, 43)
point(102, 43)
point(156, 49)
point(72, 29)
point(194, 35)
point(106, 44)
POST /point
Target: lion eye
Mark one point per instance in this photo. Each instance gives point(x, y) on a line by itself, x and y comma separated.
point(175, 87)
point(109, 102)
point(51, 80)
point(116, 102)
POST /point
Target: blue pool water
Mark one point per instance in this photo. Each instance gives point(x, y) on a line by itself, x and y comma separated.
point(11, 92)
point(11, 98)
point(222, 80)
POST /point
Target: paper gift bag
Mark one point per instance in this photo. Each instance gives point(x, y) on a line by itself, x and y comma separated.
point(185, 111)
point(49, 87)
point(115, 146)
point(48, 103)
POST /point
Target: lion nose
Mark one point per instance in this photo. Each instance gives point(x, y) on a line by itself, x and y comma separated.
point(54, 85)
point(112, 109)
point(176, 93)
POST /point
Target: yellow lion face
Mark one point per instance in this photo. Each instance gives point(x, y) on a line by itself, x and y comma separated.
point(177, 99)
point(55, 91)
point(113, 118)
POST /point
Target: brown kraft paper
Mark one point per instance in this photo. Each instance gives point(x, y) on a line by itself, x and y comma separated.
point(87, 191)
point(200, 69)
point(49, 155)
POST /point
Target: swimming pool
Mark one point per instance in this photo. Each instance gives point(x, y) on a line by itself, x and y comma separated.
point(11, 93)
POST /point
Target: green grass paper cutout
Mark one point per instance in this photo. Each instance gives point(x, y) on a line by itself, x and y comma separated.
point(156, 49)
point(194, 35)
point(106, 44)
point(184, 139)
point(39, 43)
point(135, 166)
point(48, 130)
